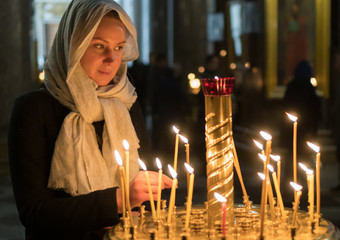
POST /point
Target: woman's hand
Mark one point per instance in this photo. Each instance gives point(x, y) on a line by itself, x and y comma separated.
point(139, 191)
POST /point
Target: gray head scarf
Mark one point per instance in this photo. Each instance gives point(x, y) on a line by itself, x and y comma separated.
point(78, 167)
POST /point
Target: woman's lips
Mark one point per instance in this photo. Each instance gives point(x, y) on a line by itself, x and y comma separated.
point(105, 72)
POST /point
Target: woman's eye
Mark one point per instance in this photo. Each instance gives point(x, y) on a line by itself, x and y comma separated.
point(99, 46)
point(119, 48)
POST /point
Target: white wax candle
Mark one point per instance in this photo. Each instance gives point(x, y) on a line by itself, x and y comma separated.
point(190, 192)
point(223, 202)
point(176, 147)
point(127, 169)
point(159, 192)
point(278, 195)
point(122, 181)
point(297, 189)
point(152, 203)
point(172, 194)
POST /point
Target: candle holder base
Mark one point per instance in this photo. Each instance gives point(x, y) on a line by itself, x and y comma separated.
point(246, 226)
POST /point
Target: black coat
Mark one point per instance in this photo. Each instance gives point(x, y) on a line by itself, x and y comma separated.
point(48, 214)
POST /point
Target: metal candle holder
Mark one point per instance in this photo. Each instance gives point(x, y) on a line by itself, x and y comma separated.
point(219, 145)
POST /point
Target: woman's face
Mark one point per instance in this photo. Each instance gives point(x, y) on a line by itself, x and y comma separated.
point(103, 56)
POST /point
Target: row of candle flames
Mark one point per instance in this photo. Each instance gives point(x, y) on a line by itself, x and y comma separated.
point(124, 178)
point(266, 194)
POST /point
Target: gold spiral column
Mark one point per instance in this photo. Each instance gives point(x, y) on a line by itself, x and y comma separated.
point(219, 146)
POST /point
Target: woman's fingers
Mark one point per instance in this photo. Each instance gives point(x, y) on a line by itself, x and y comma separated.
point(139, 189)
point(166, 182)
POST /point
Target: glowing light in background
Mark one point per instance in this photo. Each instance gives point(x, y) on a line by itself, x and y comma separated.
point(195, 85)
point(201, 69)
point(42, 76)
point(223, 53)
point(191, 76)
point(313, 82)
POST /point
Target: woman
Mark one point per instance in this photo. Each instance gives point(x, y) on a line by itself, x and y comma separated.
point(61, 138)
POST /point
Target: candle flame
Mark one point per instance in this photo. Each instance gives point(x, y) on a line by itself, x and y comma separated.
point(296, 186)
point(270, 168)
point(176, 130)
point(189, 168)
point(118, 158)
point(184, 139)
point(172, 171)
point(219, 197)
point(261, 175)
point(259, 145)
point(276, 158)
point(126, 145)
point(314, 147)
point(263, 157)
point(292, 117)
point(266, 136)
point(304, 168)
point(142, 165)
point(159, 164)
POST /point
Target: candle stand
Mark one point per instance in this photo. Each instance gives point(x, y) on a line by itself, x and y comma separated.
point(241, 221)
point(220, 154)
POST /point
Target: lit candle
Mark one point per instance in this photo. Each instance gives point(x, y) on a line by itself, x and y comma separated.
point(270, 195)
point(122, 182)
point(142, 165)
point(277, 159)
point(176, 130)
point(294, 119)
point(127, 168)
point(311, 206)
point(239, 174)
point(278, 193)
point(186, 142)
point(268, 139)
point(263, 195)
point(122, 173)
point(190, 170)
point(173, 193)
point(310, 186)
point(159, 192)
point(264, 186)
point(297, 189)
point(223, 202)
point(317, 176)
point(260, 146)
point(264, 159)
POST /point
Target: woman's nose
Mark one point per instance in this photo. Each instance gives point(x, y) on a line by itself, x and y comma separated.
point(109, 56)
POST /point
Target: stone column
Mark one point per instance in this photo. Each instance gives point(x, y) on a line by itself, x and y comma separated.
point(15, 63)
point(16, 52)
